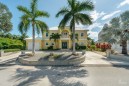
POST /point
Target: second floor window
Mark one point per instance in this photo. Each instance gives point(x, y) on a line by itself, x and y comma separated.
point(46, 34)
point(82, 34)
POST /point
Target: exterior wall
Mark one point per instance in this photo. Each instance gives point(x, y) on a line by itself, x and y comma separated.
point(49, 44)
point(82, 40)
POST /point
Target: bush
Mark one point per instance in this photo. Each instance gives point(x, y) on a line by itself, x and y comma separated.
point(82, 47)
point(93, 47)
point(15, 47)
point(50, 48)
point(103, 46)
point(11, 50)
point(6, 43)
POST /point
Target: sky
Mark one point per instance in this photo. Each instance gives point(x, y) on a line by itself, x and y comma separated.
point(104, 11)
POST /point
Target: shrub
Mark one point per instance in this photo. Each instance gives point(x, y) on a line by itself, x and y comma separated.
point(103, 46)
point(11, 50)
point(82, 47)
point(93, 47)
point(77, 46)
point(15, 47)
point(6, 43)
point(50, 48)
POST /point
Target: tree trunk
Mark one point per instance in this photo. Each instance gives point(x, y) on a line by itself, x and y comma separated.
point(33, 33)
point(74, 50)
point(124, 46)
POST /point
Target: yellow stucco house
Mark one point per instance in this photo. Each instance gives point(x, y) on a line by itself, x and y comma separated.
point(64, 42)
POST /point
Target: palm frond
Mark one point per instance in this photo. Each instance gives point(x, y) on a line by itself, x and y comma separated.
point(83, 19)
point(62, 11)
point(41, 25)
point(23, 26)
point(24, 10)
point(20, 27)
point(38, 29)
point(41, 14)
point(65, 20)
point(33, 6)
point(71, 3)
point(85, 6)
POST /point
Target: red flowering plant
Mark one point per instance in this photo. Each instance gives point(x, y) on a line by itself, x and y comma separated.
point(103, 46)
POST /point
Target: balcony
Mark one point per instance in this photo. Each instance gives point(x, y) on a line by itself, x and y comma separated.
point(65, 37)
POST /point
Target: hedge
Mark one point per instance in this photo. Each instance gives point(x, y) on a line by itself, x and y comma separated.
point(6, 43)
point(15, 47)
point(50, 48)
point(80, 47)
point(11, 50)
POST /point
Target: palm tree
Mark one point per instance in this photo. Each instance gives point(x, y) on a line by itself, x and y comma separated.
point(74, 14)
point(30, 17)
point(117, 32)
point(55, 37)
point(76, 36)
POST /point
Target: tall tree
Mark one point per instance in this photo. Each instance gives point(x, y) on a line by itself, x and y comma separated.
point(5, 18)
point(118, 31)
point(75, 13)
point(55, 37)
point(30, 17)
point(76, 36)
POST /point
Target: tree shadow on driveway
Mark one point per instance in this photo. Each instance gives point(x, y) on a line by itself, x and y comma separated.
point(57, 76)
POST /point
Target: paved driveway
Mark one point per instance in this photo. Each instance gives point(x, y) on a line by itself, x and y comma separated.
point(94, 59)
point(63, 76)
point(17, 75)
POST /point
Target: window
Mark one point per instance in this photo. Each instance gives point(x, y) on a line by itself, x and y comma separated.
point(82, 43)
point(82, 34)
point(46, 43)
point(46, 34)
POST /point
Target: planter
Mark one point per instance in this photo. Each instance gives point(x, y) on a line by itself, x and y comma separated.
point(49, 62)
point(1, 53)
point(22, 52)
point(108, 53)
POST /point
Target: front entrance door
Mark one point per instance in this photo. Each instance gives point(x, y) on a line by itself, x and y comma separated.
point(64, 45)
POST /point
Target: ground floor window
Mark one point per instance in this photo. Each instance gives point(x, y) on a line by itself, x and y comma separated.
point(46, 43)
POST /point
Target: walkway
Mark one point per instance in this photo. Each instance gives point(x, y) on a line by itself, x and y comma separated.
point(9, 59)
point(94, 59)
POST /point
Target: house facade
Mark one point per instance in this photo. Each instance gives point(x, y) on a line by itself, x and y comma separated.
point(64, 42)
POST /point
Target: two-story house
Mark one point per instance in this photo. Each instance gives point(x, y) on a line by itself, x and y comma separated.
point(64, 42)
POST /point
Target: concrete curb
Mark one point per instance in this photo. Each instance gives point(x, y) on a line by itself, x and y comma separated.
point(76, 61)
point(119, 57)
point(104, 65)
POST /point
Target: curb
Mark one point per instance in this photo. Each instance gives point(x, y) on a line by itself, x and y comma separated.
point(104, 65)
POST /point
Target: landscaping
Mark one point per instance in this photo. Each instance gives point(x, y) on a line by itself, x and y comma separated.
point(11, 45)
point(51, 59)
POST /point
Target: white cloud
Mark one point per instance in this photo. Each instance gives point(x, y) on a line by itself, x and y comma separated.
point(93, 35)
point(111, 15)
point(95, 25)
point(96, 15)
point(123, 3)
